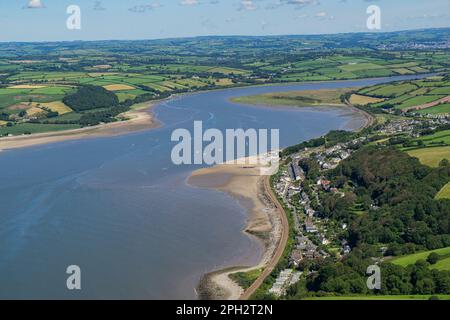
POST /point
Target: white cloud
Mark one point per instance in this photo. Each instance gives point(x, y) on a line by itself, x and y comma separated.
point(35, 4)
point(189, 2)
point(145, 8)
point(247, 5)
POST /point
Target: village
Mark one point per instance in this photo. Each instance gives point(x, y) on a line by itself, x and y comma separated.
point(316, 237)
point(312, 238)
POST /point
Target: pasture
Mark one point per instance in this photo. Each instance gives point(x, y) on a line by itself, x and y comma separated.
point(444, 193)
point(440, 137)
point(442, 264)
point(118, 87)
point(131, 70)
point(392, 90)
point(55, 106)
point(30, 128)
point(431, 156)
point(420, 96)
point(443, 108)
point(361, 100)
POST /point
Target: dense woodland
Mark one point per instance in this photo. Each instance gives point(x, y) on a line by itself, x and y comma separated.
point(91, 97)
point(348, 277)
point(401, 216)
point(398, 192)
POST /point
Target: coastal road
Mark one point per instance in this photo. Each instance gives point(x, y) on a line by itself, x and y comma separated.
point(281, 245)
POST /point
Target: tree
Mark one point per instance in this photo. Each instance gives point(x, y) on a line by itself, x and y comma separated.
point(433, 258)
point(444, 163)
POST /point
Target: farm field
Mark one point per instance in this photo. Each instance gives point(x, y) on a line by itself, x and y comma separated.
point(442, 264)
point(431, 149)
point(118, 87)
point(443, 108)
point(30, 128)
point(421, 96)
point(140, 71)
point(440, 137)
point(56, 106)
point(431, 156)
point(357, 99)
point(444, 193)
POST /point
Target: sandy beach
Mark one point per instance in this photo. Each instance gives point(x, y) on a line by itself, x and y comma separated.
point(246, 185)
point(135, 120)
point(267, 220)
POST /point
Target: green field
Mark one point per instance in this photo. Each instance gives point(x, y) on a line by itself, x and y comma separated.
point(296, 98)
point(431, 156)
point(29, 128)
point(439, 109)
point(441, 137)
point(395, 90)
point(417, 101)
point(443, 264)
point(409, 94)
point(155, 69)
point(444, 193)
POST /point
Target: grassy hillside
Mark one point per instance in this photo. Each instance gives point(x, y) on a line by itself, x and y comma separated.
point(421, 96)
point(442, 264)
point(444, 193)
point(431, 156)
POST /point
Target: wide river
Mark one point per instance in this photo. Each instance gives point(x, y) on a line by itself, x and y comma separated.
point(119, 209)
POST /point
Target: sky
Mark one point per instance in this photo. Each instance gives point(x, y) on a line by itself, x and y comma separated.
point(46, 20)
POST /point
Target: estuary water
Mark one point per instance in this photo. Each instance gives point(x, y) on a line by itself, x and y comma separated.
point(121, 210)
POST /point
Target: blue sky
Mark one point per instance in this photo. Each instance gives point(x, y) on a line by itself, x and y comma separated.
point(45, 20)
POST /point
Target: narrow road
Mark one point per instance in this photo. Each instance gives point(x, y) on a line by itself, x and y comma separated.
point(281, 245)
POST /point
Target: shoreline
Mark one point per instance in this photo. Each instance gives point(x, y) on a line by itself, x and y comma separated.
point(264, 222)
point(138, 119)
point(139, 123)
point(369, 119)
point(241, 181)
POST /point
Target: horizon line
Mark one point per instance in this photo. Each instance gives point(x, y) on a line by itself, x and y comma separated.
point(230, 36)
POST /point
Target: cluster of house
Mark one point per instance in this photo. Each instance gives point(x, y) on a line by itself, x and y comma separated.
point(310, 228)
point(285, 279)
point(399, 126)
point(331, 158)
point(304, 249)
point(296, 173)
point(439, 116)
point(286, 188)
point(412, 126)
point(433, 45)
